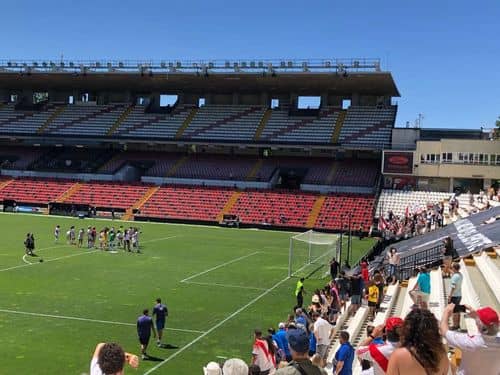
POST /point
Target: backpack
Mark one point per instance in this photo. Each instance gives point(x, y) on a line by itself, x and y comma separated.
point(305, 370)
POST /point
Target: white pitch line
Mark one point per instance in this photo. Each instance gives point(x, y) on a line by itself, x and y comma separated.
point(89, 320)
point(224, 285)
point(50, 260)
point(219, 266)
point(25, 261)
point(188, 345)
point(157, 239)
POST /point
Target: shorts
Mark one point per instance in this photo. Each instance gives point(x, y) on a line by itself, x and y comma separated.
point(456, 302)
point(322, 351)
point(160, 324)
point(372, 304)
point(343, 296)
point(356, 299)
point(424, 297)
point(144, 340)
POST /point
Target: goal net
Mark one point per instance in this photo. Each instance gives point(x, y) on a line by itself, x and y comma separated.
point(310, 254)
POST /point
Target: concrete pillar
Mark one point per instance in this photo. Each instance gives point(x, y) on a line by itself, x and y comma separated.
point(324, 100)
point(452, 182)
point(294, 100)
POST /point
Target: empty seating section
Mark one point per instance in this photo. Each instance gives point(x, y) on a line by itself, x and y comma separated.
point(107, 195)
point(397, 201)
point(356, 173)
point(274, 207)
point(155, 163)
point(186, 202)
point(336, 210)
point(215, 167)
point(225, 122)
point(35, 191)
point(285, 128)
point(13, 122)
point(152, 125)
point(72, 160)
point(369, 127)
point(85, 119)
point(18, 157)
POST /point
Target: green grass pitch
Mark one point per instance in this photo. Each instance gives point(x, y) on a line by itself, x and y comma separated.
point(52, 314)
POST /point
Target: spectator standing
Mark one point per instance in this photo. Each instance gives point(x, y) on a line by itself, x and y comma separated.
point(110, 359)
point(355, 294)
point(344, 356)
point(480, 353)
point(379, 354)
point(300, 364)
point(373, 298)
point(447, 256)
point(262, 355)
point(334, 268)
point(282, 341)
point(422, 351)
point(455, 294)
point(394, 262)
point(422, 290)
point(322, 331)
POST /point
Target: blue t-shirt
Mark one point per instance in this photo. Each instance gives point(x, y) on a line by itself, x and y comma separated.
point(161, 312)
point(144, 324)
point(282, 341)
point(424, 282)
point(312, 343)
point(346, 354)
point(301, 320)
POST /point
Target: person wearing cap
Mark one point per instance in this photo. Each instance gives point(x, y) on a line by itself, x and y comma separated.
point(480, 352)
point(379, 354)
point(212, 368)
point(282, 341)
point(299, 348)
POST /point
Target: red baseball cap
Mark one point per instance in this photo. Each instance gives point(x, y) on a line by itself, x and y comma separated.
point(488, 316)
point(393, 322)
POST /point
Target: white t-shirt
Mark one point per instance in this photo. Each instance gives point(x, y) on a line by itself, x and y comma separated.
point(264, 362)
point(94, 367)
point(480, 353)
point(322, 330)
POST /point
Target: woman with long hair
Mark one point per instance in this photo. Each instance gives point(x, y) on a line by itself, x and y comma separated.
point(422, 351)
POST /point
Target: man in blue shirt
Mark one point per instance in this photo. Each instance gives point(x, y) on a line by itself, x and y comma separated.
point(144, 328)
point(161, 312)
point(282, 341)
point(344, 356)
point(422, 290)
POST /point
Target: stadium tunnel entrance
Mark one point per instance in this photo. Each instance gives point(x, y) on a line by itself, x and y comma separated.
point(291, 178)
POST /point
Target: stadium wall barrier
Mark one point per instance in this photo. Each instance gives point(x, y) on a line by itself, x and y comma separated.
point(61, 175)
point(325, 189)
point(202, 182)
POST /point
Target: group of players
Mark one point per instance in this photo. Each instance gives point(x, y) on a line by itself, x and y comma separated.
point(105, 239)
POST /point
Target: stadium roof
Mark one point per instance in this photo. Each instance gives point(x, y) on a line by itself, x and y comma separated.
point(303, 77)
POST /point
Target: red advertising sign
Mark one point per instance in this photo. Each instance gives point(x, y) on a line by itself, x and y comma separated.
point(398, 162)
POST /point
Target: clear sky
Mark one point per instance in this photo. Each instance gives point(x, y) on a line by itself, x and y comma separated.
point(444, 55)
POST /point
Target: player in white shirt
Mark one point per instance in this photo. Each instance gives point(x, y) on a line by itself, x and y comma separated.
point(80, 237)
point(57, 231)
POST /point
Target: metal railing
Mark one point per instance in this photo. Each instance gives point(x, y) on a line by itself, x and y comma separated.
point(413, 259)
point(342, 65)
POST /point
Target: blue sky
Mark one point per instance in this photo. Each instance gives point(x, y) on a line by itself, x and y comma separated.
point(444, 55)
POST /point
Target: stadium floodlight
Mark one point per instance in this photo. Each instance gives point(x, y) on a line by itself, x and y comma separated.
point(310, 254)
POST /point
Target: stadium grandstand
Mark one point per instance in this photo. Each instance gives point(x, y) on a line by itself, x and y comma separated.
point(219, 142)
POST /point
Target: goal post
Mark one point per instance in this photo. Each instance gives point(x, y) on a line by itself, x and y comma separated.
point(310, 254)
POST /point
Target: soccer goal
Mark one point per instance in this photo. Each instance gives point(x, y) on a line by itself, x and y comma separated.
point(310, 254)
